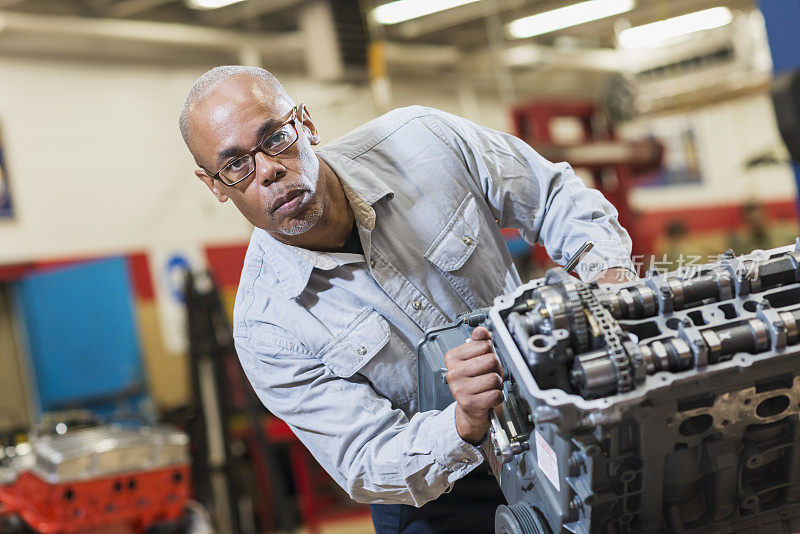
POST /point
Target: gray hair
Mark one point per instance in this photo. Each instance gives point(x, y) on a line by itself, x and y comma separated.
point(208, 81)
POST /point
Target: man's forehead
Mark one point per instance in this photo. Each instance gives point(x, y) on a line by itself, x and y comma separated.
point(232, 109)
point(240, 94)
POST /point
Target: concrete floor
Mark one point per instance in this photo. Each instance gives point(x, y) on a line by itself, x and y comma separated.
point(349, 526)
point(360, 525)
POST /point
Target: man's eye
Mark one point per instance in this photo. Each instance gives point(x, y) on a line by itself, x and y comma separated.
point(237, 164)
point(277, 138)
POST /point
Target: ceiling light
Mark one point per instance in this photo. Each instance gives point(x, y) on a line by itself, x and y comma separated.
point(403, 10)
point(565, 17)
point(210, 4)
point(675, 27)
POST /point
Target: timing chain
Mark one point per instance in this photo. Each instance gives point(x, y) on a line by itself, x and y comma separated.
point(611, 333)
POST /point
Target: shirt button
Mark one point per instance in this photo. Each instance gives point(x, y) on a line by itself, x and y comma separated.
point(467, 240)
point(362, 350)
point(417, 305)
point(372, 263)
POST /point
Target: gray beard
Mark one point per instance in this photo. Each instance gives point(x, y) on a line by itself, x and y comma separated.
point(300, 226)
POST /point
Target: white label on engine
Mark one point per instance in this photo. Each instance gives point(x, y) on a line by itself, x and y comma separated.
point(547, 460)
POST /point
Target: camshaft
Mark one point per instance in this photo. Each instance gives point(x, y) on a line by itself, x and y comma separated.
point(582, 338)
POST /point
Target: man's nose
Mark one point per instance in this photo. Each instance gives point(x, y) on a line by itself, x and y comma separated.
point(268, 168)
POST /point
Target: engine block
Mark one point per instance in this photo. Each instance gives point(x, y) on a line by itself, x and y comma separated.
point(94, 479)
point(668, 404)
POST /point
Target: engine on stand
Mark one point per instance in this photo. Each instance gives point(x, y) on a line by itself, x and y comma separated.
point(668, 404)
point(95, 478)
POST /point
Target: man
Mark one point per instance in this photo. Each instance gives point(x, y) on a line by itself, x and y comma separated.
point(360, 247)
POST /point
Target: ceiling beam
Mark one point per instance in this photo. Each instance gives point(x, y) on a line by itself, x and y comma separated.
point(129, 8)
point(450, 18)
point(531, 55)
point(430, 55)
point(444, 20)
point(162, 33)
point(247, 10)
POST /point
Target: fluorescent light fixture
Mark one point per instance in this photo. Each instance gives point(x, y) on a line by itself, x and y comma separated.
point(403, 10)
point(675, 27)
point(564, 17)
point(210, 4)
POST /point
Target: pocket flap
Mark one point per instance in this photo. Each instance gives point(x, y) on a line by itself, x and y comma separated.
point(458, 239)
point(354, 346)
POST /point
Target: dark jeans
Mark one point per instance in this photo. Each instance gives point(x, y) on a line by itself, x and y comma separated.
point(467, 509)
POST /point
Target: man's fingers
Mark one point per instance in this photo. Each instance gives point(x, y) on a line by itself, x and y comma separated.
point(481, 333)
point(481, 365)
point(478, 366)
point(475, 385)
point(487, 400)
point(486, 382)
point(467, 351)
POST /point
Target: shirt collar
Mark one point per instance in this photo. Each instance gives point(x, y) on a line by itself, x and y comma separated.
point(361, 185)
point(293, 265)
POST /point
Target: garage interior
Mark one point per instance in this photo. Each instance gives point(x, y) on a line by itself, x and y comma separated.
point(118, 271)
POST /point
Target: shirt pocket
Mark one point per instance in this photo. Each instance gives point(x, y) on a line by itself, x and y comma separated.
point(458, 240)
point(468, 256)
point(356, 344)
point(363, 348)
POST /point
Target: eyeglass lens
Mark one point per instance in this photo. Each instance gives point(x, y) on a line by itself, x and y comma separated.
point(277, 142)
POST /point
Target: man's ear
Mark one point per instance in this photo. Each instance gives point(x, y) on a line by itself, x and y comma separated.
point(305, 118)
point(210, 183)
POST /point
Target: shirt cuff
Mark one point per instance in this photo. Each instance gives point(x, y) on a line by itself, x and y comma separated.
point(451, 451)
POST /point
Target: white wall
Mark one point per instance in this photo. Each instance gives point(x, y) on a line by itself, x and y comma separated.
point(97, 165)
point(95, 161)
point(727, 134)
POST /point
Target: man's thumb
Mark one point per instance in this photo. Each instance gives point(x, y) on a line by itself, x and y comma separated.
point(480, 333)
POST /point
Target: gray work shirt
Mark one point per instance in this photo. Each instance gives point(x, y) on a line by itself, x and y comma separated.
point(328, 340)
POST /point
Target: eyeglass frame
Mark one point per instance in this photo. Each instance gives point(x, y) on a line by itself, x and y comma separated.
point(258, 148)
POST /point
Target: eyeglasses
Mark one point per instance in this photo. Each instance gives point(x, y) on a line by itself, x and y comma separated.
point(276, 142)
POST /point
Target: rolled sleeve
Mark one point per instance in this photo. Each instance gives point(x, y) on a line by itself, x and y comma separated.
point(604, 256)
point(376, 453)
point(547, 202)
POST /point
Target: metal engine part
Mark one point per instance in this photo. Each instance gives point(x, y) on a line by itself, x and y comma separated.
point(668, 404)
point(107, 450)
point(96, 477)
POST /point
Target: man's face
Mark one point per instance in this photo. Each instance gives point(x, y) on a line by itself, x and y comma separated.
point(282, 194)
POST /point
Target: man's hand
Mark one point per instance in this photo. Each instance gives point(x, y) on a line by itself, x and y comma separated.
point(475, 378)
